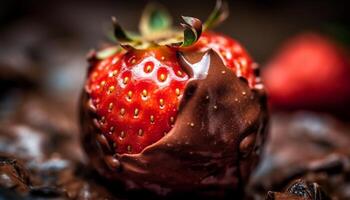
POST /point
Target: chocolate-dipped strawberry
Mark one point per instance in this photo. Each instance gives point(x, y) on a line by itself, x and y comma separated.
point(174, 110)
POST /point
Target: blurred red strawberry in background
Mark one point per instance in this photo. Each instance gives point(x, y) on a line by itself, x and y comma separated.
point(309, 72)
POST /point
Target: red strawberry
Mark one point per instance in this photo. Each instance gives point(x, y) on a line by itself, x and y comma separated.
point(136, 94)
point(310, 72)
point(136, 90)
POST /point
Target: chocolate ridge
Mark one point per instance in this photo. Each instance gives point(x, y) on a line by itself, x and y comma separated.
point(214, 144)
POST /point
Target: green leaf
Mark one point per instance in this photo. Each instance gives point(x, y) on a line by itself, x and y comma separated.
point(155, 18)
point(189, 36)
point(219, 14)
point(192, 32)
point(119, 32)
point(195, 23)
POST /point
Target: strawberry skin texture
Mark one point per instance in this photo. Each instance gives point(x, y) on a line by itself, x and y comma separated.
point(310, 72)
point(137, 92)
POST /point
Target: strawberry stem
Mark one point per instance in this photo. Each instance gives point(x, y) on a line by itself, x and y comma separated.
point(155, 28)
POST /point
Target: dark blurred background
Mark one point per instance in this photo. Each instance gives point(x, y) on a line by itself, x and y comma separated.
point(259, 24)
point(54, 36)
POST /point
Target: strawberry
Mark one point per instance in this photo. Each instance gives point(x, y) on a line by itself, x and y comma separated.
point(309, 72)
point(135, 87)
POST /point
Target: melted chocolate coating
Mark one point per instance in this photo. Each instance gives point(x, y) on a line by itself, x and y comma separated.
point(213, 146)
point(305, 145)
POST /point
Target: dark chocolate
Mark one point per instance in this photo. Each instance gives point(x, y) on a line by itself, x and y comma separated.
point(305, 145)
